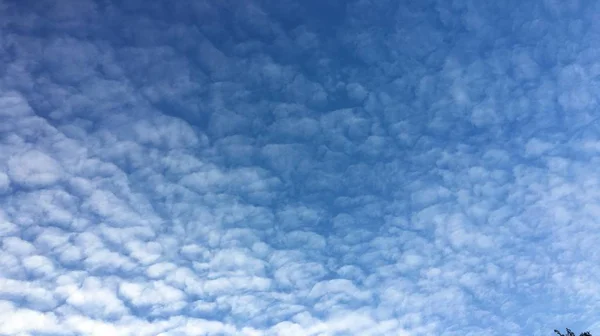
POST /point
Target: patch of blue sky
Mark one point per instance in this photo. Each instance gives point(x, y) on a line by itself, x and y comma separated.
point(299, 167)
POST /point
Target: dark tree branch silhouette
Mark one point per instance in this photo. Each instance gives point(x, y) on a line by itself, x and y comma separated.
point(570, 333)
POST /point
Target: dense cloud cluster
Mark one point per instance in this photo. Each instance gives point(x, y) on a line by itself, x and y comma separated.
point(299, 167)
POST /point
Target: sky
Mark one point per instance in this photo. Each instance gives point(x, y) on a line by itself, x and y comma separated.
point(299, 167)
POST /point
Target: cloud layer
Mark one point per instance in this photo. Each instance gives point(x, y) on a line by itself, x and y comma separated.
point(299, 168)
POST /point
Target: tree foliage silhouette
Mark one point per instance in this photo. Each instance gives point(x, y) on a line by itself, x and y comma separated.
point(570, 333)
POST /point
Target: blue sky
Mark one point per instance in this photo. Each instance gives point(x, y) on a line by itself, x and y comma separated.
point(299, 168)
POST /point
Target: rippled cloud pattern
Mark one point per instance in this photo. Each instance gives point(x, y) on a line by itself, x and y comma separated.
point(299, 167)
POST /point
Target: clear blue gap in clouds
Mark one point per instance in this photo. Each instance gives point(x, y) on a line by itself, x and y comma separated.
point(298, 167)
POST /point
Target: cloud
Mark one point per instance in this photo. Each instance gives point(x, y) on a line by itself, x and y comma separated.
point(34, 169)
point(266, 169)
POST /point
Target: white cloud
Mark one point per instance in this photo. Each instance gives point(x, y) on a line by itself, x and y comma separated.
point(300, 275)
point(34, 169)
point(18, 320)
point(39, 265)
point(4, 183)
point(356, 92)
point(93, 298)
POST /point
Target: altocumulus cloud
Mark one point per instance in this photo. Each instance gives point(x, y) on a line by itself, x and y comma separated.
point(299, 167)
